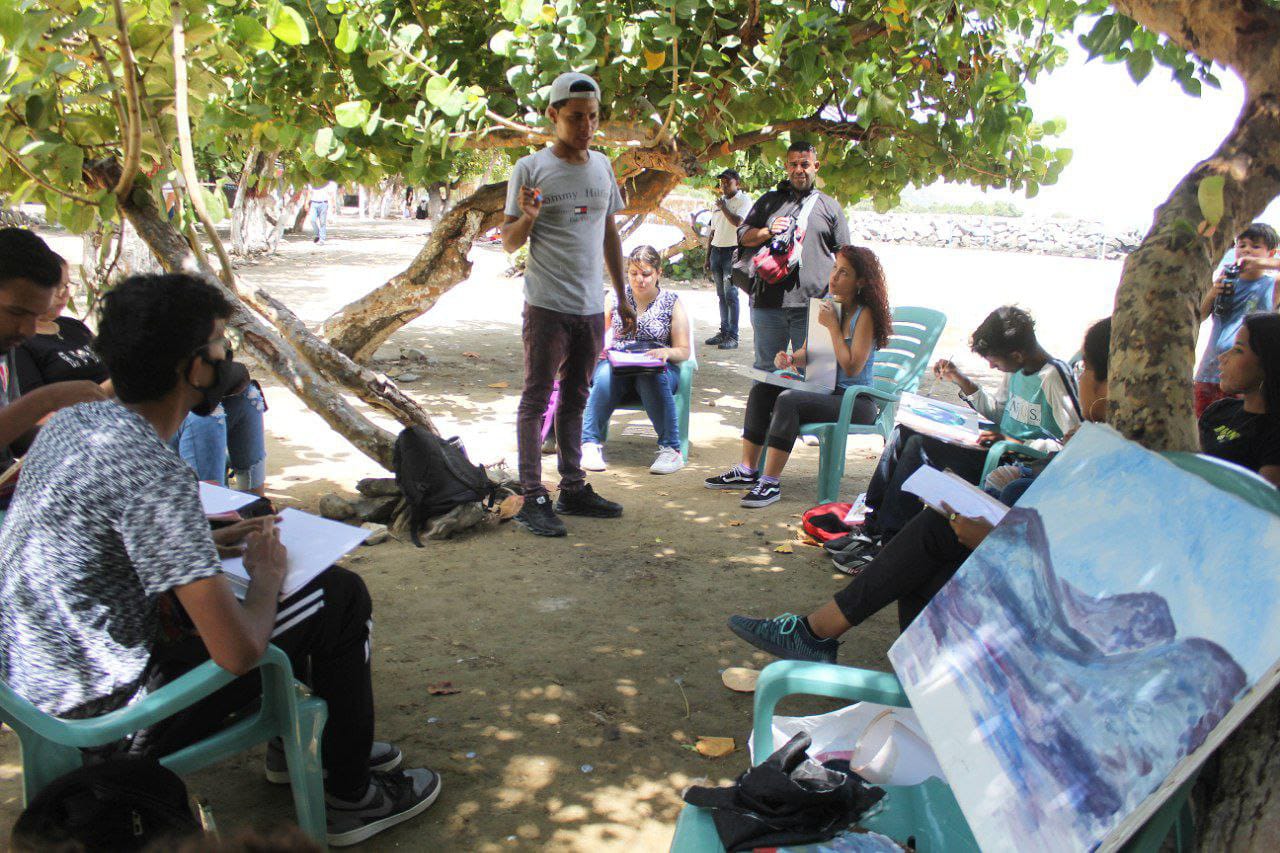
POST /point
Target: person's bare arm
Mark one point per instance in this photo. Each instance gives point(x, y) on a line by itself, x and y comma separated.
point(515, 229)
point(23, 414)
point(613, 262)
point(1206, 304)
point(236, 633)
point(853, 355)
point(679, 349)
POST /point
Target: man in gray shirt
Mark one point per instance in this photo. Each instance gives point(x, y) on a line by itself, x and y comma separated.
point(779, 311)
point(562, 200)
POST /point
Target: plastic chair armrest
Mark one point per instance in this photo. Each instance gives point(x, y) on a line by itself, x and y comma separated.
point(787, 678)
point(174, 697)
point(851, 394)
point(997, 451)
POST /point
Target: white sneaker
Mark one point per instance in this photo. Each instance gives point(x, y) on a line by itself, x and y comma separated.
point(669, 461)
point(592, 457)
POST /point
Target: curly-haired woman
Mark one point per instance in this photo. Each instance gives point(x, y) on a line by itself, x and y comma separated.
point(857, 317)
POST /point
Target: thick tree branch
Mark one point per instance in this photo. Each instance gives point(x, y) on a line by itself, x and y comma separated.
point(848, 130)
point(131, 132)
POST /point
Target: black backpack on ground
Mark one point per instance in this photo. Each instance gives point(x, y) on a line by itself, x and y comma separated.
point(435, 475)
point(122, 803)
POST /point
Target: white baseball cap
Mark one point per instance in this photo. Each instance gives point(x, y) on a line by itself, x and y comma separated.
point(571, 84)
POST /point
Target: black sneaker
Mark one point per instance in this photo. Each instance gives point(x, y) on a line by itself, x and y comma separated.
point(853, 560)
point(382, 757)
point(392, 798)
point(729, 343)
point(716, 339)
point(848, 542)
point(732, 479)
point(762, 495)
point(586, 502)
point(537, 517)
point(785, 636)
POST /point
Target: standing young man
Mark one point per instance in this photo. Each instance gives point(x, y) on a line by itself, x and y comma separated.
point(780, 312)
point(722, 246)
point(562, 200)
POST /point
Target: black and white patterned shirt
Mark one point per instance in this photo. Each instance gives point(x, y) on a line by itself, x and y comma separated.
point(106, 519)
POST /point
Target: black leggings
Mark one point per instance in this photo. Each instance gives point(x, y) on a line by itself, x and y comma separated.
point(774, 414)
point(324, 629)
point(910, 570)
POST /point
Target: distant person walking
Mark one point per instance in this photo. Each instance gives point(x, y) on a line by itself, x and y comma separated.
point(561, 200)
point(323, 196)
point(802, 227)
point(722, 248)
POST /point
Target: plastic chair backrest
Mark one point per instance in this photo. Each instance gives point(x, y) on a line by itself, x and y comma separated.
point(1229, 477)
point(900, 365)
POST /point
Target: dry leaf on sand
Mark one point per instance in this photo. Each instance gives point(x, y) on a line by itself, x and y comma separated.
point(470, 355)
point(740, 678)
point(509, 507)
point(715, 747)
point(735, 524)
point(499, 385)
point(444, 688)
point(784, 549)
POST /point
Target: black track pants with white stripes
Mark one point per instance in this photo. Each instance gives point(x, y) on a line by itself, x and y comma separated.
point(324, 628)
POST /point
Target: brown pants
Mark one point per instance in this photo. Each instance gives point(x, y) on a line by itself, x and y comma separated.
point(567, 345)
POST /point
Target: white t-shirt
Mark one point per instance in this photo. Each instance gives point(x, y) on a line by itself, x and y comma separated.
point(328, 192)
point(723, 232)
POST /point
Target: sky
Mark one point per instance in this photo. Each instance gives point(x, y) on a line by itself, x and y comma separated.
point(1131, 143)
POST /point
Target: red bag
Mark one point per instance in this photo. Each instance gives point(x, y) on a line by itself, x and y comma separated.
point(825, 522)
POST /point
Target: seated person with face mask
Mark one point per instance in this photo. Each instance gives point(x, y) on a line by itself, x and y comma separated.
point(106, 550)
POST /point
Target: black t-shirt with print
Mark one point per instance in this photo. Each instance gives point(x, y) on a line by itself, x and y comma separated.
point(1228, 432)
point(67, 355)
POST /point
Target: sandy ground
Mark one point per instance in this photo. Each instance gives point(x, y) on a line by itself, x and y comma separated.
point(587, 665)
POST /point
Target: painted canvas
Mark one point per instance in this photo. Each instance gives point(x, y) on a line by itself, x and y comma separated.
point(947, 421)
point(1092, 644)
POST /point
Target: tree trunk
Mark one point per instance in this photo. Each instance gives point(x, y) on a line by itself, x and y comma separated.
point(629, 227)
point(251, 232)
point(435, 203)
point(274, 351)
point(287, 214)
point(300, 217)
point(362, 326)
point(1153, 344)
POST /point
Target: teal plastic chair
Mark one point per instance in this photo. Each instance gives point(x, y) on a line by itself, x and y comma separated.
point(684, 396)
point(928, 811)
point(51, 745)
point(898, 368)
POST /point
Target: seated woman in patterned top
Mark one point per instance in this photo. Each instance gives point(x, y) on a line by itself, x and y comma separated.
point(662, 331)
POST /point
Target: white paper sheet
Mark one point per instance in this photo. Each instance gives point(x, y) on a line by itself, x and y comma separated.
point(936, 487)
point(217, 500)
point(313, 544)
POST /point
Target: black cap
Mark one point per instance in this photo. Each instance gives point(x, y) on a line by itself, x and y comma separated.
point(730, 173)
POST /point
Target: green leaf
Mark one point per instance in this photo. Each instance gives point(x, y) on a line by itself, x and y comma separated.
point(352, 113)
point(666, 31)
point(289, 27)
point(501, 42)
point(215, 202)
point(348, 38)
point(37, 113)
point(511, 10)
point(437, 90)
point(324, 141)
point(1209, 194)
point(1139, 63)
point(252, 33)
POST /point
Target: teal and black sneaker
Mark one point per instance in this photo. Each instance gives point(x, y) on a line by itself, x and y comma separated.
point(785, 636)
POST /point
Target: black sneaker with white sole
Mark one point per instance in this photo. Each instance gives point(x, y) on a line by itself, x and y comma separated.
point(382, 757)
point(762, 495)
point(391, 798)
point(853, 560)
point(587, 503)
point(732, 479)
point(539, 518)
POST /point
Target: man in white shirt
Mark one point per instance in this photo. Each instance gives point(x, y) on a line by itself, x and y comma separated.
point(323, 197)
point(722, 247)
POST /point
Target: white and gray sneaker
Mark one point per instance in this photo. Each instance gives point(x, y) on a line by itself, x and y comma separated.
point(762, 495)
point(668, 461)
point(592, 457)
point(391, 798)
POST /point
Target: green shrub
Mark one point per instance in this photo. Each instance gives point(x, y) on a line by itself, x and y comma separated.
point(690, 265)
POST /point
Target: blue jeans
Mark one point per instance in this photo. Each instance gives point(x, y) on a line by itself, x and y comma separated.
point(233, 431)
point(776, 327)
point(657, 394)
point(721, 259)
point(319, 218)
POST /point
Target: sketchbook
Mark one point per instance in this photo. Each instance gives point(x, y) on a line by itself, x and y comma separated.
point(216, 500)
point(945, 421)
point(313, 545)
point(936, 488)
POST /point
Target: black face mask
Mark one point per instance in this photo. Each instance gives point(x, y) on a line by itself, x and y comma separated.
point(228, 375)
